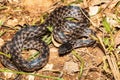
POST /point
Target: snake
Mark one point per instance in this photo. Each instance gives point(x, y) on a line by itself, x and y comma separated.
point(70, 33)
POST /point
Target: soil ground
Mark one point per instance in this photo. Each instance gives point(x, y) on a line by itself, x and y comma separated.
point(93, 63)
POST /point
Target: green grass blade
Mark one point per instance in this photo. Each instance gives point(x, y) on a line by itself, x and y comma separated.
point(106, 25)
point(33, 74)
point(81, 65)
point(7, 55)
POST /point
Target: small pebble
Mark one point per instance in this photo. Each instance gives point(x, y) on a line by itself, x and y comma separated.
point(48, 67)
point(71, 67)
point(93, 10)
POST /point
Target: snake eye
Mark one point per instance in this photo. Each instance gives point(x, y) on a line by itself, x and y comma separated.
point(72, 19)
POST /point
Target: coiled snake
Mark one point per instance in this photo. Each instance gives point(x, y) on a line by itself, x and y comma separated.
point(71, 33)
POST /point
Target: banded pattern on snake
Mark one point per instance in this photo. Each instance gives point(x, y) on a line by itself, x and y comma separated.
point(69, 33)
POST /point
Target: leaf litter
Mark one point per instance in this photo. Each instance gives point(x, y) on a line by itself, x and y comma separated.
point(98, 62)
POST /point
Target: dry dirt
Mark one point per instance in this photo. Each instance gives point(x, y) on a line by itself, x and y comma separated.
point(20, 12)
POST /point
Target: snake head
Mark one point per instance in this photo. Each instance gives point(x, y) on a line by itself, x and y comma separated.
point(65, 48)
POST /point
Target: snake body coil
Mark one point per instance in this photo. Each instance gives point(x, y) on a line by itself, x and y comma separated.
point(69, 33)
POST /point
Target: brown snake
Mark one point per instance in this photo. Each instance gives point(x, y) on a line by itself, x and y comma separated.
point(71, 33)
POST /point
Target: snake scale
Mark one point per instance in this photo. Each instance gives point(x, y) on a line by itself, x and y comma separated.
point(70, 33)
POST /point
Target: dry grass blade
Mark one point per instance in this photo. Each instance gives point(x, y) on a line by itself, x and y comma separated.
point(114, 68)
point(92, 66)
point(111, 61)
